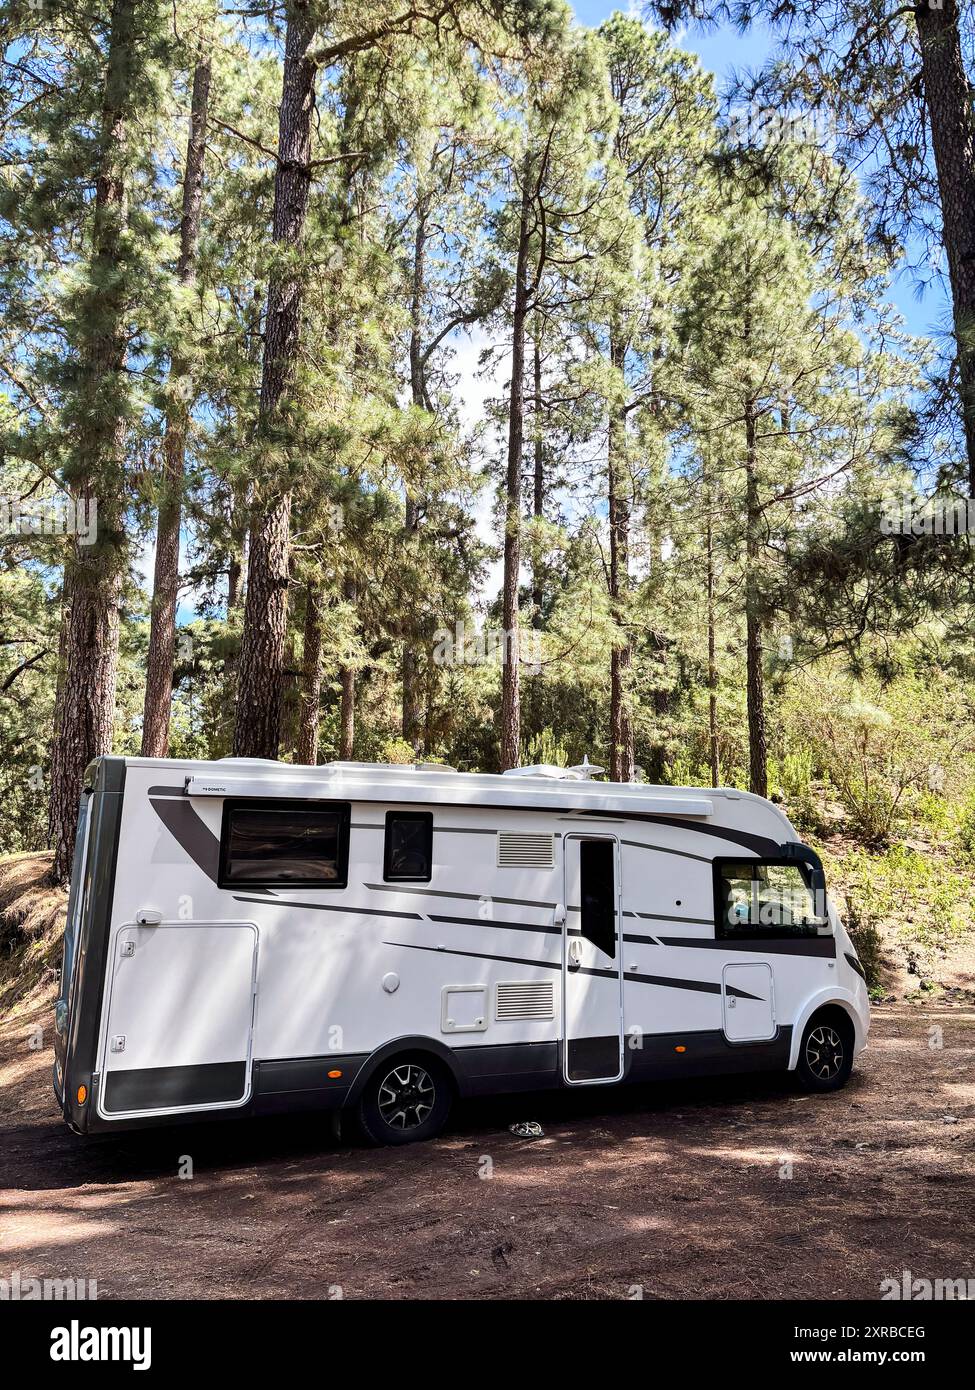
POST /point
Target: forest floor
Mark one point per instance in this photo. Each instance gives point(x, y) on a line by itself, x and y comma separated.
point(680, 1191)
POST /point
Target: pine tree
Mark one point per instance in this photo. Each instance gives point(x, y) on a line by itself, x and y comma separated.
point(95, 417)
point(893, 78)
point(165, 591)
point(788, 401)
point(664, 129)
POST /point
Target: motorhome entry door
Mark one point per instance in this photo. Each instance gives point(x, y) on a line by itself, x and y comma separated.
point(592, 961)
point(180, 1018)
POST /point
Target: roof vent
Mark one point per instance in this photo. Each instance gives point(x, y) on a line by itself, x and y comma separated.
point(581, 772)
point(526, 850)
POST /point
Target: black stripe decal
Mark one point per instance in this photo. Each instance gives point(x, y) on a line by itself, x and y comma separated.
point(477, 955)
point(663, 849)
point(463, 829)
point(467, 897)
point(822, 946)
point(189, 832)
point(662, 917)
point(758, 844)
point(698, 986)
point(546, 930)
point(347, 908)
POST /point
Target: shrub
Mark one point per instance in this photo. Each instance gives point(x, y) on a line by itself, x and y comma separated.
point(887, 750)
point(867, 942)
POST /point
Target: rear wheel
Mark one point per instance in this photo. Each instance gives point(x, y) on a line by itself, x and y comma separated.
point(826, 1052)
point(406, 1099)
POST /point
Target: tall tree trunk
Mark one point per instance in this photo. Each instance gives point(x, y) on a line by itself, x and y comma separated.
point(237, 562)
point(306, 750)
point(410, 670)
point(510, 674)
point(84, 719)
point(755, 675)
point(948, 99)
point(621, 752)
point(260, 681)
point(347, 684)
point(712, 641)
point(538, 479)
point(165, 589)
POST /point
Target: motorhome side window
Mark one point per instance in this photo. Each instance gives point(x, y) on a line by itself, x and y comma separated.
point(762, 898)
point(597, 886)
point(265, 845)
point(408, 851)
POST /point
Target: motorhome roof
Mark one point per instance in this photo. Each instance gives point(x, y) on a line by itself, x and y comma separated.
point(430, 783)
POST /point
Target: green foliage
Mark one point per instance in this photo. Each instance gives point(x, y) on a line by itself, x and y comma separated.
point(887, 750)
point(915, 896)
point(544, 747)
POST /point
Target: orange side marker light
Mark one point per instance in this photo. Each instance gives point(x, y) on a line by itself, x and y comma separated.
point(334, 1074)
point(680, 1049)
point(82, 1094)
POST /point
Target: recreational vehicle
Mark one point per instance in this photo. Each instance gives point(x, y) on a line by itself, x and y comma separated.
point(246, 937)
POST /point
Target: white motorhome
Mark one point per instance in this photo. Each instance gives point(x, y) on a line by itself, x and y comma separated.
point(247, 937)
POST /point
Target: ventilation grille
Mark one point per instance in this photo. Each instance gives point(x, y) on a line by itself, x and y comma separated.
point(525, 999)
point(525, 850)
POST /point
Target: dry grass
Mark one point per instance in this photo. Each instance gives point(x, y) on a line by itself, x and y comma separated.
point(32, 914)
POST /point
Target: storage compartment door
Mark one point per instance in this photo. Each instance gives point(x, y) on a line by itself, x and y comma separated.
point(180, 1018)
point(748, 1004)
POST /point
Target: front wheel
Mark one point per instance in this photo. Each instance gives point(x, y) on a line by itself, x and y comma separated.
point(406, 1099)
point(826, 1053)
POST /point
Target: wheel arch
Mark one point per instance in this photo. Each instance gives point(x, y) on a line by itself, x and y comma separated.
point(828, 998)
point(413, 1044)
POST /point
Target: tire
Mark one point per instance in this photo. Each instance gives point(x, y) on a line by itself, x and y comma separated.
point(826, 1052)
point(406, 1100)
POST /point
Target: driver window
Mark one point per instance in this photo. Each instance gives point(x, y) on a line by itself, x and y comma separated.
point(756, 898)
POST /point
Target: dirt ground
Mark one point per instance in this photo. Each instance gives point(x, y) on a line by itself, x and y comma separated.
point(681, 1191)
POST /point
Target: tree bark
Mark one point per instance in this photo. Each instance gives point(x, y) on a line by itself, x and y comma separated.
point(347, 683)
point(712, 643)
point(755, 675)
point(538, 482)
point(948, 100)
point(306, 750)
point(510, 674)
point(410, 670)
point(165, 589)
point(621, 752)
point(85, 717)
point(260, 680)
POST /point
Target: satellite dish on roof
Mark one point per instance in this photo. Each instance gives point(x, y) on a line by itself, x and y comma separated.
point(585, 770)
